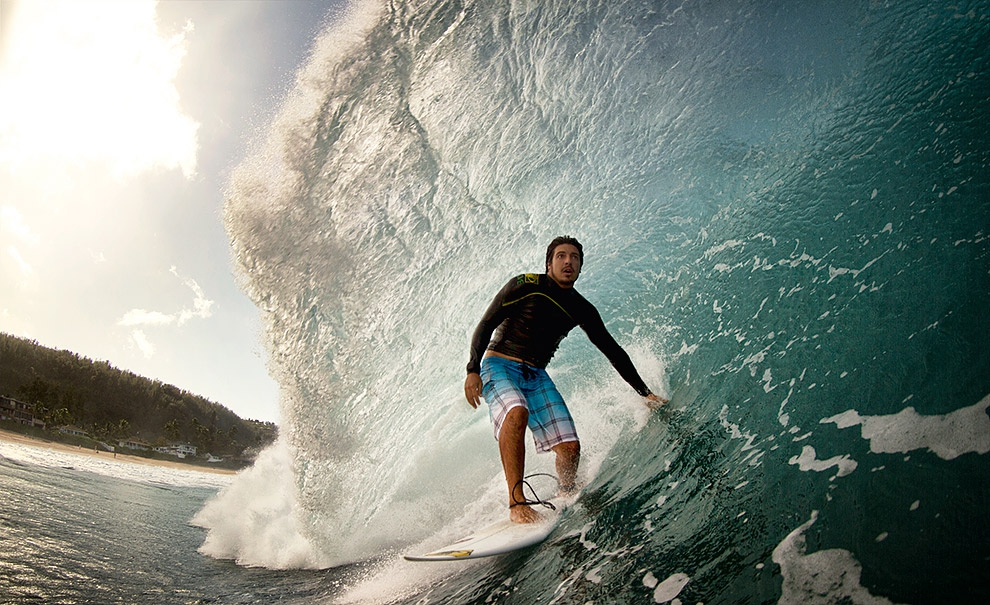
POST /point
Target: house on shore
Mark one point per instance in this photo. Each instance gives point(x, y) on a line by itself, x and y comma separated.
point(179, 450)
point(18, 411)
point(135, 444)
point(72, 430)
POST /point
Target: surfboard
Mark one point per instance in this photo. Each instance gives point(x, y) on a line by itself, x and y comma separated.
point(496, 539)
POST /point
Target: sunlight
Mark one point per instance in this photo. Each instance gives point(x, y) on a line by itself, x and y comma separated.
point(14, 233)
point(93, 81)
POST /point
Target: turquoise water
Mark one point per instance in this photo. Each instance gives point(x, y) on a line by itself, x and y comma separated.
point(785, 215)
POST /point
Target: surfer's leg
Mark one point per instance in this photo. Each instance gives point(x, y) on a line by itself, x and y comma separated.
point(512, 448)
point(553, 429)
point(568, 457)
point(510, 415)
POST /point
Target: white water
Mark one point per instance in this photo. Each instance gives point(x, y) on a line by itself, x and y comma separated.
point(106, 464)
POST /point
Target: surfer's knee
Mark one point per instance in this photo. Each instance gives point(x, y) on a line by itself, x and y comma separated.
point(568, 457)
point(516, 418)
point(568, 449)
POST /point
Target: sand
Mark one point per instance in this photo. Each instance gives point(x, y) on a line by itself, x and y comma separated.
point(54, 445)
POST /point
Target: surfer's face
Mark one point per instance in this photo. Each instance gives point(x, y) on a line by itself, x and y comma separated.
point(565, 265)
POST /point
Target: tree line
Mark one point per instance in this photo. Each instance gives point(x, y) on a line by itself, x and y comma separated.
point(110, 404)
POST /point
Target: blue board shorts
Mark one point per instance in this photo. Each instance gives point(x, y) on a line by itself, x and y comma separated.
point(507, 384)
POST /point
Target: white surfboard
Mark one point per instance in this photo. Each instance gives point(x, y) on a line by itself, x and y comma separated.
point(496, 539)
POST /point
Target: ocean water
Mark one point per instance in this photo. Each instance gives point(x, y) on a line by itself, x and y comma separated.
point(785, 208)
point(78, 529)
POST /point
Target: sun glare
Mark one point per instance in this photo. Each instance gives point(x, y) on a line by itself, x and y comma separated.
point(93, 81)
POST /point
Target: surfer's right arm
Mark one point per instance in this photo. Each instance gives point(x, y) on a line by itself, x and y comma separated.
point(472, 389)
point(494, 315)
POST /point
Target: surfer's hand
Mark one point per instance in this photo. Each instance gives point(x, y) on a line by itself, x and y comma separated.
point(472, 389)
point(654, 401)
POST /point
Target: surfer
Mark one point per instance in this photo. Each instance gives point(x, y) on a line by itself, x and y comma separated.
point(529, 317)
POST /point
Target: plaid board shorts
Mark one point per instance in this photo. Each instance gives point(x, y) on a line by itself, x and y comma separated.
point(507, 384)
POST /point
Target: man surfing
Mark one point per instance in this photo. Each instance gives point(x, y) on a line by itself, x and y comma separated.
point(510, 350)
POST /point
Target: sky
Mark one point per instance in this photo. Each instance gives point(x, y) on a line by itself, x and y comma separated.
point(120, 123)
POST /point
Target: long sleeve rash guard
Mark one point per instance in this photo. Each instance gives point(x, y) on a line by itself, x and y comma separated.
point(529, 317)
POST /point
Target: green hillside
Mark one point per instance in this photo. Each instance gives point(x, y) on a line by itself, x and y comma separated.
point(110, 404)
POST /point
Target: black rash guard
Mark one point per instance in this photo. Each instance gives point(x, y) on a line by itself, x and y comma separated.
point(531, 315)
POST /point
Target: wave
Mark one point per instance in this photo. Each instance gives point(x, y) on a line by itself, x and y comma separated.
point(784, 215)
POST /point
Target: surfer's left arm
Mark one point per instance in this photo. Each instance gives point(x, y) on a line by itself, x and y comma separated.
point(599, 335)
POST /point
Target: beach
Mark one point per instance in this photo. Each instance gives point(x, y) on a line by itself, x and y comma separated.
point(13, 437)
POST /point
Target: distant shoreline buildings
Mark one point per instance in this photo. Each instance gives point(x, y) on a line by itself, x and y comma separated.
point(18, 411)
point(179, 450)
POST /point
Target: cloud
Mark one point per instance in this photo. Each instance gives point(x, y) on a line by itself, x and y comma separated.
point(93, 81)
point(140, 317)
point(143, 343)
point(201, 308)
point(15, 233)
point(15, 254)
point(12, 225)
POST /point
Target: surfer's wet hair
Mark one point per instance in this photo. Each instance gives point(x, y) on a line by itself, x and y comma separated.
point(564, 239)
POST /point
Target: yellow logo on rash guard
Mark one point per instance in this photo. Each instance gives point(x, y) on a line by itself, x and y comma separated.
point(531, 278)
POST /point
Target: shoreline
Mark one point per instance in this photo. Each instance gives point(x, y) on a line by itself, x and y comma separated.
point(13, 437)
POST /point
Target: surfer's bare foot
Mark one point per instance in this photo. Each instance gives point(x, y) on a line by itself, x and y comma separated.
point(523, 513)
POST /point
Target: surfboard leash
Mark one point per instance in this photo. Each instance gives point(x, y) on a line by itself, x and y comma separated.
point(536, 501)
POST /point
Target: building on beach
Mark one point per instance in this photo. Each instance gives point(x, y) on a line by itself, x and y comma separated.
point(72, 430)
point(180, 450)
point(18, 411)
point(135, 444)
